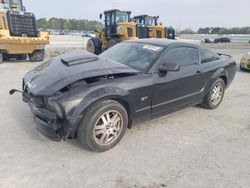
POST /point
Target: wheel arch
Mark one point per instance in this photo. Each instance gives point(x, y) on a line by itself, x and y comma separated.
point(127, 106)
point(224, 78)
point(115, 94)
point(220, 73)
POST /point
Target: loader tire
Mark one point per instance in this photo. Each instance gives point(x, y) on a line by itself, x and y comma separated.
point(113, 42)
point(94, 46)
point(37, 56)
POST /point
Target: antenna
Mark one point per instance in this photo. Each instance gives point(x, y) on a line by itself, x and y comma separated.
point(113, 3)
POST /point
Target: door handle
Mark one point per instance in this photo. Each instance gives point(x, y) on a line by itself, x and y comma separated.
point(198, 72)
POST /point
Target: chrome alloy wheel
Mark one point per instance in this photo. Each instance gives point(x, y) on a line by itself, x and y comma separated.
point(108, 127)
point(217, 94)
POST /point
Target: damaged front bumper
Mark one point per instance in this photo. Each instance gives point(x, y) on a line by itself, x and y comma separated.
point(46, 121)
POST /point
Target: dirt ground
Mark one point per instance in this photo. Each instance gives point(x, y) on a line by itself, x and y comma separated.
point(194, 147)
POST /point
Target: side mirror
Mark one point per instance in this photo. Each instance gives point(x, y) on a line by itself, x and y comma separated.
point(165, 67)
point(100, 16)
point(24, 9)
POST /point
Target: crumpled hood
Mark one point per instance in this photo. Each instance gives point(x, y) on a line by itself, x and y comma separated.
point(57, 73)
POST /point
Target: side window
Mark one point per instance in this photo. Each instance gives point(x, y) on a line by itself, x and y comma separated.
point(207, 56)
point(112, 18)
point(183, 56)
point(107, 18)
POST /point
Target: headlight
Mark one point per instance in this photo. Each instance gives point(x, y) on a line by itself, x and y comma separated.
point(52, 105)
point(119, 27)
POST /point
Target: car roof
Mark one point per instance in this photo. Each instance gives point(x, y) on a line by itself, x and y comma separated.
point(163, 42)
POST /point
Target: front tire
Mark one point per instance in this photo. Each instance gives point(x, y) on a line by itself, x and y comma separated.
point(215, 95)
point(103, 126)
point(241, 68)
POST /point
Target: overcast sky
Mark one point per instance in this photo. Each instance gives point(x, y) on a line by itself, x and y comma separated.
point(192, 13)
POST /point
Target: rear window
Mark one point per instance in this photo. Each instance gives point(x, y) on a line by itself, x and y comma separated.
point(208, 56)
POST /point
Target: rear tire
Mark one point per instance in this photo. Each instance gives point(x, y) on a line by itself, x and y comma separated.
point(215, 95)
point(94, 46)
point(113, 42)
point(103, 126)
point(37, 56)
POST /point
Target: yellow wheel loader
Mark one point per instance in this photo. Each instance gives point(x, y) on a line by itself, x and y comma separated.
point(152, 29)
point(19, 36)
point(117, 28)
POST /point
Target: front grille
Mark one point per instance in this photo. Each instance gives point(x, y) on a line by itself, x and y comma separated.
point(158, 34)
point(130, 32)
point(22, 24)
point(142, 32)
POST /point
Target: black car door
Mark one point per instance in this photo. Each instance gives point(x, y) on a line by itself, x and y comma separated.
point(175, 89)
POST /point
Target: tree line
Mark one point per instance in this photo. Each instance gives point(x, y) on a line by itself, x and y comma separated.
point(68, 24)
point(91, 25)
point(218, 30)
point(223, 31)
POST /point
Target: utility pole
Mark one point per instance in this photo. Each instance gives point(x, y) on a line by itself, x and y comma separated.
point(113, 3)
point(180, 25)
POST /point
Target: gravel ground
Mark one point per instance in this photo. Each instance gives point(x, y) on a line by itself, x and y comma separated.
point(194, 147)
point(63, 44)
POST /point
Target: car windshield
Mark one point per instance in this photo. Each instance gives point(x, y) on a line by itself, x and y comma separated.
point(139, 56)
point(121, 17)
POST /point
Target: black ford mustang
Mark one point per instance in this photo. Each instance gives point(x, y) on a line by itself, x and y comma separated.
point(96, 98)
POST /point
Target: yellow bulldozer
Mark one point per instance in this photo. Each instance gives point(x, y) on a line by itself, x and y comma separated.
point(19, 35)
point(152, 29)
point(117, 28)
